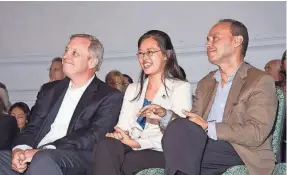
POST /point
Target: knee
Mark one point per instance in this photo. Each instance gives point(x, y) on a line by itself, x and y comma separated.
point(180, 128)
point(42, 156)
point(103, 144)
point(182, 125)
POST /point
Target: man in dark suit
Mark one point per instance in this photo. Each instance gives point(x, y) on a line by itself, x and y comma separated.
point(8, 130)
point(70, 116)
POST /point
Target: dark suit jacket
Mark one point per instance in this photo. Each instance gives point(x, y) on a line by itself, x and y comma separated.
point(8, 130)
point(96, 114)
point(248, 117)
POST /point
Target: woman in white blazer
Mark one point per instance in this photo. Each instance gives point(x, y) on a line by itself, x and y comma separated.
point(136, 142)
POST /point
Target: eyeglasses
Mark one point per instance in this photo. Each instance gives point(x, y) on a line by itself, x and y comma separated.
point(149, 53)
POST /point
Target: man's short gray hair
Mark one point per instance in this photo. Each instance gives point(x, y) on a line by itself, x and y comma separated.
point(96, 49)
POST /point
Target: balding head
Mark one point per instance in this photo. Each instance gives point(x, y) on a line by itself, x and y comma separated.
point(272, 68)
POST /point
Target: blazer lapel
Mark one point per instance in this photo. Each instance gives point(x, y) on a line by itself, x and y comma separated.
point(162, 96)
point(140, 101)
point(209, 97)
point(235, 89)
point(84, 101)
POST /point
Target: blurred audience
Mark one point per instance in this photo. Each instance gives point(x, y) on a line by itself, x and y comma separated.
point(56, 70)
point(21, 112)
point(116, 80)
point(4, 99)
point(273, 68)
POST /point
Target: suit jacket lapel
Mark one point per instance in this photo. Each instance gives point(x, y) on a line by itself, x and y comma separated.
point(55, 104)
point(209, 97)
point(235, 89)
point(57, 99)
point(85, 100)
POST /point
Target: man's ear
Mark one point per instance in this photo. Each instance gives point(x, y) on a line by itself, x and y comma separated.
point(93, 63)
point(238, 41)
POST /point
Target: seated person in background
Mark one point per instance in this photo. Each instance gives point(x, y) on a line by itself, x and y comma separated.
point(116, 80)
point(4, 99)
point(127, 80)
point(272, 68)
point(232, 115)
point(70, 117)
point(56, 70)
point(136, 143)
point(21, 112)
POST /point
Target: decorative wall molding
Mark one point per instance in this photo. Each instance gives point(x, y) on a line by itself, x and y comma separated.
point(254, 44)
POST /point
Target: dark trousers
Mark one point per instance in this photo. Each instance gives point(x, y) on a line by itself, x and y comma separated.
point(112, 157)
point(49, 162)
point(188, 150)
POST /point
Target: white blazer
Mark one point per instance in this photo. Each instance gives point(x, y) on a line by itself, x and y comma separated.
point(177, 98)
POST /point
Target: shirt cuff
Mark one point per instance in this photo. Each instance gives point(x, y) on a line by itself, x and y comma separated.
point(49, 147)
point(165, 120)
point(22, 147)
point(212, 130)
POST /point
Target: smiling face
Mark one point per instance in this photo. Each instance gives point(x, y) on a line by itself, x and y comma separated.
point(220, 43)
point(151, 57)
point(76, 60)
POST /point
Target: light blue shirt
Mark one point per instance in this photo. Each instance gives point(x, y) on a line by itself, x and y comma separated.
point(217, 110)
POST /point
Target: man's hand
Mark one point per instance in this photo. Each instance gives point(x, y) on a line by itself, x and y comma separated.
point(29, 153)
point(18, 160)
point(152, 111)
point(196, 119)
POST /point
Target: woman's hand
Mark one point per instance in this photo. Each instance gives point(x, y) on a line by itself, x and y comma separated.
point(152, 111)
point(124, 137)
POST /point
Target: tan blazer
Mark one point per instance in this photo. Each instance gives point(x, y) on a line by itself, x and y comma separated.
point(248, 117)
point(176, 98)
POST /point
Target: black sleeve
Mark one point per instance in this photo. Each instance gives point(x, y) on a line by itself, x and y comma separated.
point(8, 131)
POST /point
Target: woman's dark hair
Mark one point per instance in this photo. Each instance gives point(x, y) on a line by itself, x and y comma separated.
point(171, 69)
point(23, 106)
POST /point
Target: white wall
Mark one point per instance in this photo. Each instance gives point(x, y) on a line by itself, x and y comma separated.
point(32, 33)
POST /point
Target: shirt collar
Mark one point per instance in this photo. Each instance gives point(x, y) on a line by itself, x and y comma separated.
point(218, 78)
point(84, 86)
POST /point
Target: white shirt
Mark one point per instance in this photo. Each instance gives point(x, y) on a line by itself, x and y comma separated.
point(61, 123)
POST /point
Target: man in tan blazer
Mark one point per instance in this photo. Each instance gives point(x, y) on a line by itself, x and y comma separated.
point(232, 115)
